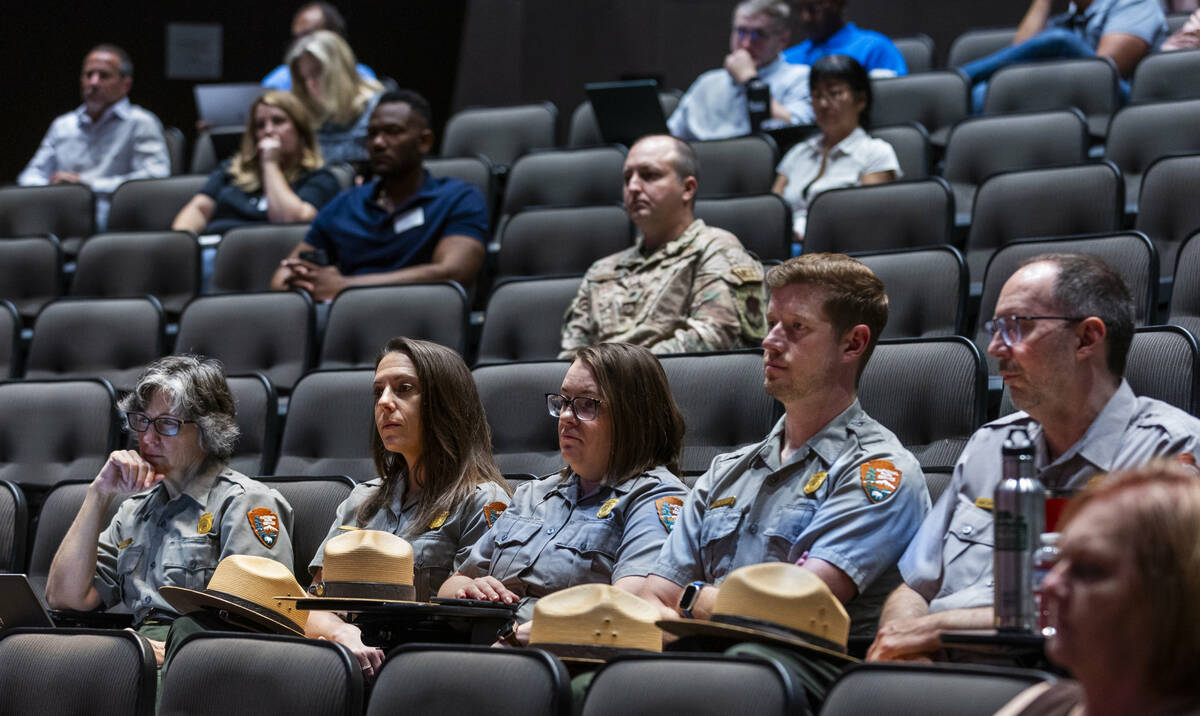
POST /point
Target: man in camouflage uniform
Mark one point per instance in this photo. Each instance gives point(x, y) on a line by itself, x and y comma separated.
point(683, 286)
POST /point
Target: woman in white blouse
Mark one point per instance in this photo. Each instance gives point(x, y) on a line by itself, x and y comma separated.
point(843, 154)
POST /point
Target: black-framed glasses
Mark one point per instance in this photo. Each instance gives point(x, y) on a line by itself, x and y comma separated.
point(1009, 327)
point(163, 425)
point(754, 34)
point(581, 407)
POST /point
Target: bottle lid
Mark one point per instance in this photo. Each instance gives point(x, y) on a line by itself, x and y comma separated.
point(1049, 538)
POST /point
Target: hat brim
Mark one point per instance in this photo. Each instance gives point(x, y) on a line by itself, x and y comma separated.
point(586, 653)
point(700, 627)
point(192, 600)
point(333, 601)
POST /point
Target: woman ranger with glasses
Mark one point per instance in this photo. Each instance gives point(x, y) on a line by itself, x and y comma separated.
point(189, 509)
point(604, 517)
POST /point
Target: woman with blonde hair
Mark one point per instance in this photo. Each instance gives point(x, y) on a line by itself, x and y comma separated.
point(276, 176)
point(339, 99)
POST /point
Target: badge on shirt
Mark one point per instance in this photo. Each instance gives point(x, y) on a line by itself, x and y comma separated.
point(409, 220)
point(439, 521)
point(985, 503)
point(668, 509)
point(607, 508)
point(265, 524)
point(880, 479)
point(125, 543)
point(814, 483)
point(492, 510)
point(204, 524)
point(723, 502)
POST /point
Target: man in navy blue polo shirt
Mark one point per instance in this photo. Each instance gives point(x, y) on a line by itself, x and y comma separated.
point(828, 33)
point(403, 227)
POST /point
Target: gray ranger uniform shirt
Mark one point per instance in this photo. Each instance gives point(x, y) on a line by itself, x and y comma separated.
point(949, 562)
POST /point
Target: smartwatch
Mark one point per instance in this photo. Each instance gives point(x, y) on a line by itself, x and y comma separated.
point(687, 600)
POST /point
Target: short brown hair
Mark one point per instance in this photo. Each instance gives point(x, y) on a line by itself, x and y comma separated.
point(854, 294)
point(647, 426)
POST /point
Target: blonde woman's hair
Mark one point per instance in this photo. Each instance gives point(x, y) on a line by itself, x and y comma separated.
point(344, 94)
point(245, 168)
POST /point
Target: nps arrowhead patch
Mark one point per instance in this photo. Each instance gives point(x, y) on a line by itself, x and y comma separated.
point(880, 479)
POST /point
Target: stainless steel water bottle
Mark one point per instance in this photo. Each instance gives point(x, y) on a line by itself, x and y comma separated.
point(1019, 513)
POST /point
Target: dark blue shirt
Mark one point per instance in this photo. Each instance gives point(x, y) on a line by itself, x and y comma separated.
point(872, 50)
point(361, 237)
point(235, 207)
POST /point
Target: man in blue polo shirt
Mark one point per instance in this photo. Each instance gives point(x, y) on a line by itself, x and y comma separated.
point(403, 227)
point(828, 33)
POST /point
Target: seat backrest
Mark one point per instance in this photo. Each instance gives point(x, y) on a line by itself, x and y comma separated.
point(151, 204)
point(930, 392)
point(1166, 76)
point(58, 511)
point(540, 242)
point(974, 44)
point(919, 213)
point(702, 384)
point(1185, 291)
point(436, 680)
point(737, 166)
point(524, 319)
point(76, 671)
point(1166, 213)
point(217, 673)
point(565, 177)
point(363, 319)
point(693, 683)
point(477, 170)
point(163, 264)
point(1164, 363)
point(110, 338)
point(584, 131)
point(1141, 133)
point(314, 500)
point(30, 273)
point(524, 436)
point(936, 100)
point(176, 148)
point(912, 690)
point(14, 522)
point(937, 479)
point(926, 290)
point(64, 210)
point(270, 332)
point(1089, 84)
point(258, 423)
point(910, 141)
point(1041, 203)
point(248, 256)
point(917, 51)
point(10, 337)
point(328, 426)
point(763, 223)
point(500, 133)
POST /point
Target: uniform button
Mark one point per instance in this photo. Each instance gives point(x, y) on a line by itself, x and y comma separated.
point(146, 600)
point(550, 531)
point(967, 530)
point(989, 582)
point(192, 564)
point(505, 536)
point(153, 565)
point(753, 529)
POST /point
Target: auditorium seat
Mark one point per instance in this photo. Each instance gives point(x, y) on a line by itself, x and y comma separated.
point(1166, 76)
point(911, 143)
point(935, 100)
point(917, 51)
point(1168, 210)
point(163, 264)
point(61, 505)
point(978, 43)
point(736, 167)
point(762, 222)
point(926, 289)
point(1141, 133)
point(524, 436)
point(258, 423)
point(248, 256)
point(1089, 84)
point(920, 689)
point(14, 522)
point(151, 204)
point(500, 133)
point(362, 320)
point(591, 176)
point(918, 213)
point(30, 273)
point(10, 340)
point(66, 211)
point(329, 425)
point(314, 500)
point(542, 242)
point(524, 319)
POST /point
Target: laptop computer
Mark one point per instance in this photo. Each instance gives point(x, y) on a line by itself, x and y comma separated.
point(19, 606)
point(626, 111)
point(225, 105)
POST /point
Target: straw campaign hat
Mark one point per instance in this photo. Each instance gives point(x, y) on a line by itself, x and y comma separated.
point(776, 603)
point(367, 566)
point(593, 622)
point(243, 585)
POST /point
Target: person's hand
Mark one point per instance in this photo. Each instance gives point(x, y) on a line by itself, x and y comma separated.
point(740, 66)
point(322, 282)
point(521, 635)
point(490, 589)
point(268, 150)
point(65, 178)
point(158, 647)
point(125, 471)
point(369, 658)
point(905, 640)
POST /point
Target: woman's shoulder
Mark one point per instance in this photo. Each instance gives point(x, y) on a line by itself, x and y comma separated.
point(658, 480)
point(489, 491)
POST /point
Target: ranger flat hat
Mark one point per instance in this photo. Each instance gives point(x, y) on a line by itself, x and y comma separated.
point(366, 566)
point(245, 586)
point(594, 622)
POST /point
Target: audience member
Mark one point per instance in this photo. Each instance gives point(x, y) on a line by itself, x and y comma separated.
point(715, 106)
point(1122, 599)
point(827, 33)
point(276, 176)
point(403, 227)
point(1061, 332)
point(1188, 37)
point(683, 286)
point(603, 518)
point(1124, 31)
point(829, 488)
point(842, 154)
point(104, 142)
point(190, 510)
point(339, 100)
point(308, 19)
point(438, 487)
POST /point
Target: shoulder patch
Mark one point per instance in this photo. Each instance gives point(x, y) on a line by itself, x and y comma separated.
point(748, 273)
point(204, 524)
point(265, 524)
point(880, 478)
point(492, 510)
point(668, 509)
point(607, 508)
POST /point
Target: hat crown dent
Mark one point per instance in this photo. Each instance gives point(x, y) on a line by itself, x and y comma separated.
point(787, 595)
point(596, 615)
point(368, 556)
point(259, 580)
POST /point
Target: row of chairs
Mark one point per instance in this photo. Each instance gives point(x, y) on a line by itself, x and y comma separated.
point(76, 671)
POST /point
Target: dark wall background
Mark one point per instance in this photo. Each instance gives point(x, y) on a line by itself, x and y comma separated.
point(44, 44)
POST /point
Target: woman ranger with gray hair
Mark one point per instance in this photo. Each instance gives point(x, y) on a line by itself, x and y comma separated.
point(190, 509)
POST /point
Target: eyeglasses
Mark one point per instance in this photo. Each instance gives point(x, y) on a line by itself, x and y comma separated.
point(1009, 327)
point(583, 408)
point(754, 34)
point(163, 424)
point(834, 94)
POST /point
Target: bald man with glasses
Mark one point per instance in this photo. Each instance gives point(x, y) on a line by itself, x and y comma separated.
point(1061, 332)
